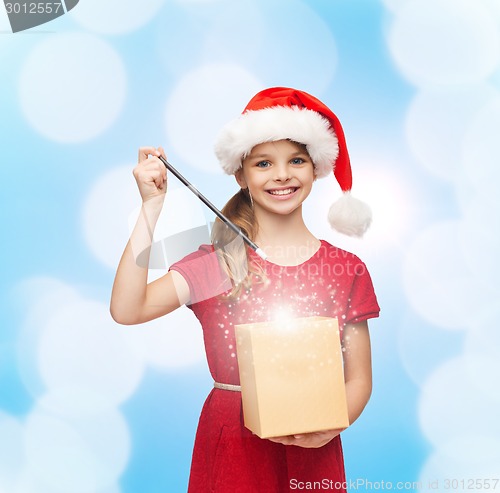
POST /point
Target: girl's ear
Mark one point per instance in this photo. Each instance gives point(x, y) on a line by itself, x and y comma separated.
point(240, 178)
point(315, 173)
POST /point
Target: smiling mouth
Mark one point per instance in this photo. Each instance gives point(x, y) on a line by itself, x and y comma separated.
point(285, 191)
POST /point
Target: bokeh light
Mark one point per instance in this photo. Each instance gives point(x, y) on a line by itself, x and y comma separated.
point(451, 400)
point(171, 343)
point(480, 162)
point(115, 16)
point(438, 283)
point(200, 104)
point(436, 42)
point(82, 347)
point(113, 195)
point(94, 450)
point(481, 350)
point(41, 298)
point(12, 453)
point(72, 87)
point(437, 123)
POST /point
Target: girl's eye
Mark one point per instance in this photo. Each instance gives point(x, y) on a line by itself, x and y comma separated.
point(297, 160)
point(263, 164)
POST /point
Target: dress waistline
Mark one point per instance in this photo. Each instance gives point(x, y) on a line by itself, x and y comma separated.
point(227, 386)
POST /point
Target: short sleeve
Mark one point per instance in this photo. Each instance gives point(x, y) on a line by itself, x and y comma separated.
point(362, 303)
point(203, 273)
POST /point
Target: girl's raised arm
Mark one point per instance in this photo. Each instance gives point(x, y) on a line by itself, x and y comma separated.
point(133, 300)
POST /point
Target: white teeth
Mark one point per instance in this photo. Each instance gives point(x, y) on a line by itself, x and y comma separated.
point(282, 192)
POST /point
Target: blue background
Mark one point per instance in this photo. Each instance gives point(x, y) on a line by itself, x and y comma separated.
point(352, 55)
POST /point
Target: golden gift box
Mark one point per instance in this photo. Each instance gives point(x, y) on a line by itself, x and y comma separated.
point(291, 375)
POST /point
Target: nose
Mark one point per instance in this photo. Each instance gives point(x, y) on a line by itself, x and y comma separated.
point(282, 172)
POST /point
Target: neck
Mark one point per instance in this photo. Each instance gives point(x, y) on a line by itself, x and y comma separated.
point(285, 239)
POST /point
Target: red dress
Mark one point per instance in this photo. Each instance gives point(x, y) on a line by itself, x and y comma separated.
point(227, 457)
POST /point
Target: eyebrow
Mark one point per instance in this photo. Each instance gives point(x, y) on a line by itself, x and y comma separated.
point(267, 156)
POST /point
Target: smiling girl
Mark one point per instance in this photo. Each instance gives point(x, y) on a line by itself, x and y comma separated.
point(284, 140)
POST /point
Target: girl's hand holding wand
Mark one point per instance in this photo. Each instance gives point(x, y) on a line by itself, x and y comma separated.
point(151, 178)
point(151, 175)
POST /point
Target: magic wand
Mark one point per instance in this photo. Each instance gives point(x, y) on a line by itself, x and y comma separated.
point(214, 209)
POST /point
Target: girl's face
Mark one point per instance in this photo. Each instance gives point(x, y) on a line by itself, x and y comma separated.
point(279, 176)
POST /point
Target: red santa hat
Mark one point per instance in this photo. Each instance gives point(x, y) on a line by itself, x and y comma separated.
point(282, 113)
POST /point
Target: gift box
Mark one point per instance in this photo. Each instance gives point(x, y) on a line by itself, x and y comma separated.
point(291, 376)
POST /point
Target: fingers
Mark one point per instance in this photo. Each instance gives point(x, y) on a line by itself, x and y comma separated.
point(150, 173)
point(286, 440)
point(151, 170)
point(146, 151)
point(162, 152)
point(307, 440)
point(145, 161)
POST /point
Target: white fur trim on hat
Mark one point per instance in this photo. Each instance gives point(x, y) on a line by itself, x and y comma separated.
point(350, 216)
point(302, 125)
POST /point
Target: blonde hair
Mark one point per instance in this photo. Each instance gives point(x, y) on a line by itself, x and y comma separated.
point(233, 255)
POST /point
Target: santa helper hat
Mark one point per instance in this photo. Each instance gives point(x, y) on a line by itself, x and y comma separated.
point(282, 113)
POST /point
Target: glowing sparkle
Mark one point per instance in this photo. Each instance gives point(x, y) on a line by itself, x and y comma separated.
point(283, 313)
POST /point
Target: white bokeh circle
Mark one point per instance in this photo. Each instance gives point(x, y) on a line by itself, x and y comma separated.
point(388, 194)
point(202, 102)
point(317, 54)
point(481, 351)
point(391, 198)
point(451, 402)
point(456, 464)
point(226, 42)
point(257, 37)
point(171, 342)
point(271, 48)
point(12, 453)
point(439, 285)
point(79, 455)
point(72, 87)
point(4, 26)
point(183, 210)
point(40, 298)
point(107, 206)
point(436, 125)
point(436, 42)
point(480, 244)
point(480, 155)
point(73, 401)
point(30, 482)
point(81, 347)
point(115, 16)
point(394, 5)
point(194, 2)
point(494, 8)
point(416, 338)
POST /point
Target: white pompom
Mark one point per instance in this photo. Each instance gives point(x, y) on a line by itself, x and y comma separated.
point(350, 216)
